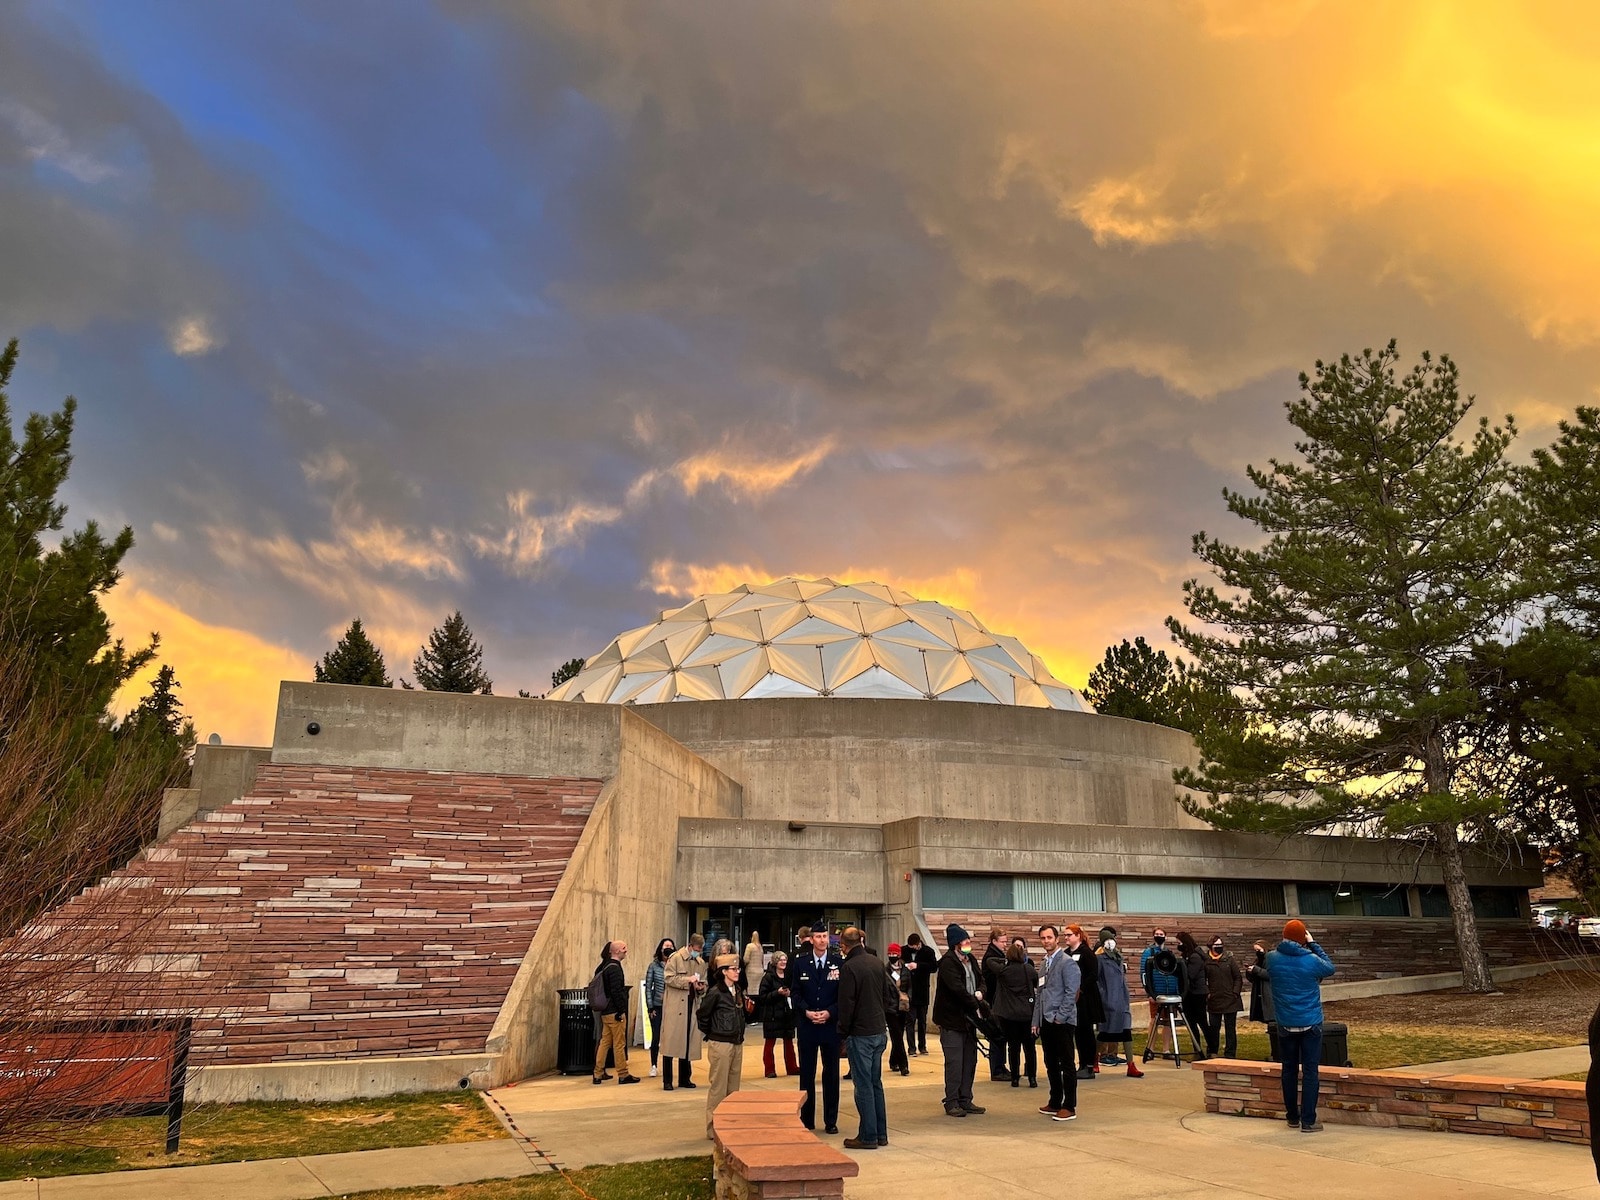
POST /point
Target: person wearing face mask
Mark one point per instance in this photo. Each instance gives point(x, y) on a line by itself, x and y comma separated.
point(1116, 1026)
point(957, 1000)
point(1013, 1008)
point(680, 1033)
point(1157, 983)
point(655, 987)
point(1224, 999)
point(901, 978)
point(1194, 991)
point(777, 1017)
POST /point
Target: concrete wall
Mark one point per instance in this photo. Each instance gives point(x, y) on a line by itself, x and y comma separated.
point(220, 776)
point(444, 731)
point(619, 884)
point(763, 861)
point(873, 761)
point(327, 1080)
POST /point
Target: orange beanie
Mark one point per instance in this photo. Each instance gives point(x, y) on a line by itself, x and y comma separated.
point(1295, 931)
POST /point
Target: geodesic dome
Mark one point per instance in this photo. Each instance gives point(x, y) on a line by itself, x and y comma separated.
point(817, 637)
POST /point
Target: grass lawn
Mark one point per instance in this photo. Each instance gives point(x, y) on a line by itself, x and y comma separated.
point(663, 1179)
point(237, 1132)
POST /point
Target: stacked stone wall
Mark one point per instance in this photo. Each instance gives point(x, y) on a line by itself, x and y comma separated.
point(347, 912)
point(1544, 1110)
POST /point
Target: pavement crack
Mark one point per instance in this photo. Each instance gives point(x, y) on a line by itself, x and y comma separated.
point(322, 1183)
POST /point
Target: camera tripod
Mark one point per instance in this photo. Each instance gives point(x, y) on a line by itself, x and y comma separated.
point(1169, 1018)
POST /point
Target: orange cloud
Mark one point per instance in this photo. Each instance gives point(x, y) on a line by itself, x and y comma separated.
point(741, 471)
point(228, 677)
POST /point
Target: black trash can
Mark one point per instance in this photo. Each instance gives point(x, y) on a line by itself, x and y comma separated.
point(1335, 1044)
point(575, 1037)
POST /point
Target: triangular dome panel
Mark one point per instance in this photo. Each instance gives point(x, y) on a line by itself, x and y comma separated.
point(817, 637)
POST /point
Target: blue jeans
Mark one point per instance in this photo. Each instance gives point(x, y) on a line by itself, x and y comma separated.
point(866, 1076)
point(1302, 1055)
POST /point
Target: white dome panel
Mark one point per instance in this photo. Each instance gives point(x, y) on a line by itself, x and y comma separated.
point(817, 637)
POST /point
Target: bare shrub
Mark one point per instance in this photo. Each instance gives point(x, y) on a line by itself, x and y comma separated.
point(80, 950)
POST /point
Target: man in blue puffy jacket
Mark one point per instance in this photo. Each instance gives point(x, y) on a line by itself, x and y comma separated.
point(1297, 968)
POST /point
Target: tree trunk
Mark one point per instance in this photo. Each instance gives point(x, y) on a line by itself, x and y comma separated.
point(1475, 976)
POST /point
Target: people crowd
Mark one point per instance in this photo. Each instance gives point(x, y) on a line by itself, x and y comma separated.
point(834, 997)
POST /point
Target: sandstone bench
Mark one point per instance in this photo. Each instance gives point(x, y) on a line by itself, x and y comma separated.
point(761, 1150)
point(1547, 1110)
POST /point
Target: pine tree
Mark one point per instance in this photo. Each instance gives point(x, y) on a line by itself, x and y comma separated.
point(79, 792)
point(566, 671)
point(1349, 633)
point(452, 661)
point(1143, 684)
point(50, 600)
point(354, 660)
point(160, 712)
point(1544, 690)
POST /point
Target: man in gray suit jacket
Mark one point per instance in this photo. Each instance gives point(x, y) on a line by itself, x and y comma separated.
point(1055, 1021)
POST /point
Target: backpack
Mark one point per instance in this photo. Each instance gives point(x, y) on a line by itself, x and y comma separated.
point(599, 1001)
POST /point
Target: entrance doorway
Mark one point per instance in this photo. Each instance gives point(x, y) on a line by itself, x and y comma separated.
point(780, 925)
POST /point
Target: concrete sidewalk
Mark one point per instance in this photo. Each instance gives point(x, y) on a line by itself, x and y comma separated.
point(1530, 1064)
point(290, 1178)
point(1134, 1138)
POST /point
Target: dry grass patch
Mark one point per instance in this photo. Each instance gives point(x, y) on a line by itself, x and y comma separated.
point(215, 1133)
point(663, 1179)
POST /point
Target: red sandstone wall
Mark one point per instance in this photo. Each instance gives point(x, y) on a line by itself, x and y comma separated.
point(338, 912)
point(1545, 1110)
point(1362, 948)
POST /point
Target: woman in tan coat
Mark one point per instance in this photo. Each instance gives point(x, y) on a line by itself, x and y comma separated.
point(755, 964)
point(680, 1032)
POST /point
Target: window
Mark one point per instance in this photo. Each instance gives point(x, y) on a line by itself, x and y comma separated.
point(1159, 896)
point(1490, 903)
point(967, 893)
point(1243, 898)
point(1059, 894)
point(1013, 893)
point(1353, 900)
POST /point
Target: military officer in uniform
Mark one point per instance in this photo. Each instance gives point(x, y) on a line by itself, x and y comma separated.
point(814, 992)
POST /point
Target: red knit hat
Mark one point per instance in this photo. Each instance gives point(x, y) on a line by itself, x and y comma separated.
point(894, 948)
point(1295, 931)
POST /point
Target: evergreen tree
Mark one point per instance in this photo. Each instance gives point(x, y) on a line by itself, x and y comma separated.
point(354, 660)
point(1561, 494)
point(160, 713)
point(1143, 684)
point(452, 661)
point(1543, 705)
point(1350, 632)
point(1544, 688)
point(566, 671)
point(50, 600)
point(79, 792)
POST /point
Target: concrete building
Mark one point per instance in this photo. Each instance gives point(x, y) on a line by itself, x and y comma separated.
point(388, 897)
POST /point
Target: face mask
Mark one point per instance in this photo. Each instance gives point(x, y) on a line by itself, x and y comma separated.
point(1111, 943)
point(694, 954)
point(1217, 950)
point(1161, 941)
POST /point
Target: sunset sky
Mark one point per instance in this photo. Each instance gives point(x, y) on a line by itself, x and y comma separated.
point(559, 313)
